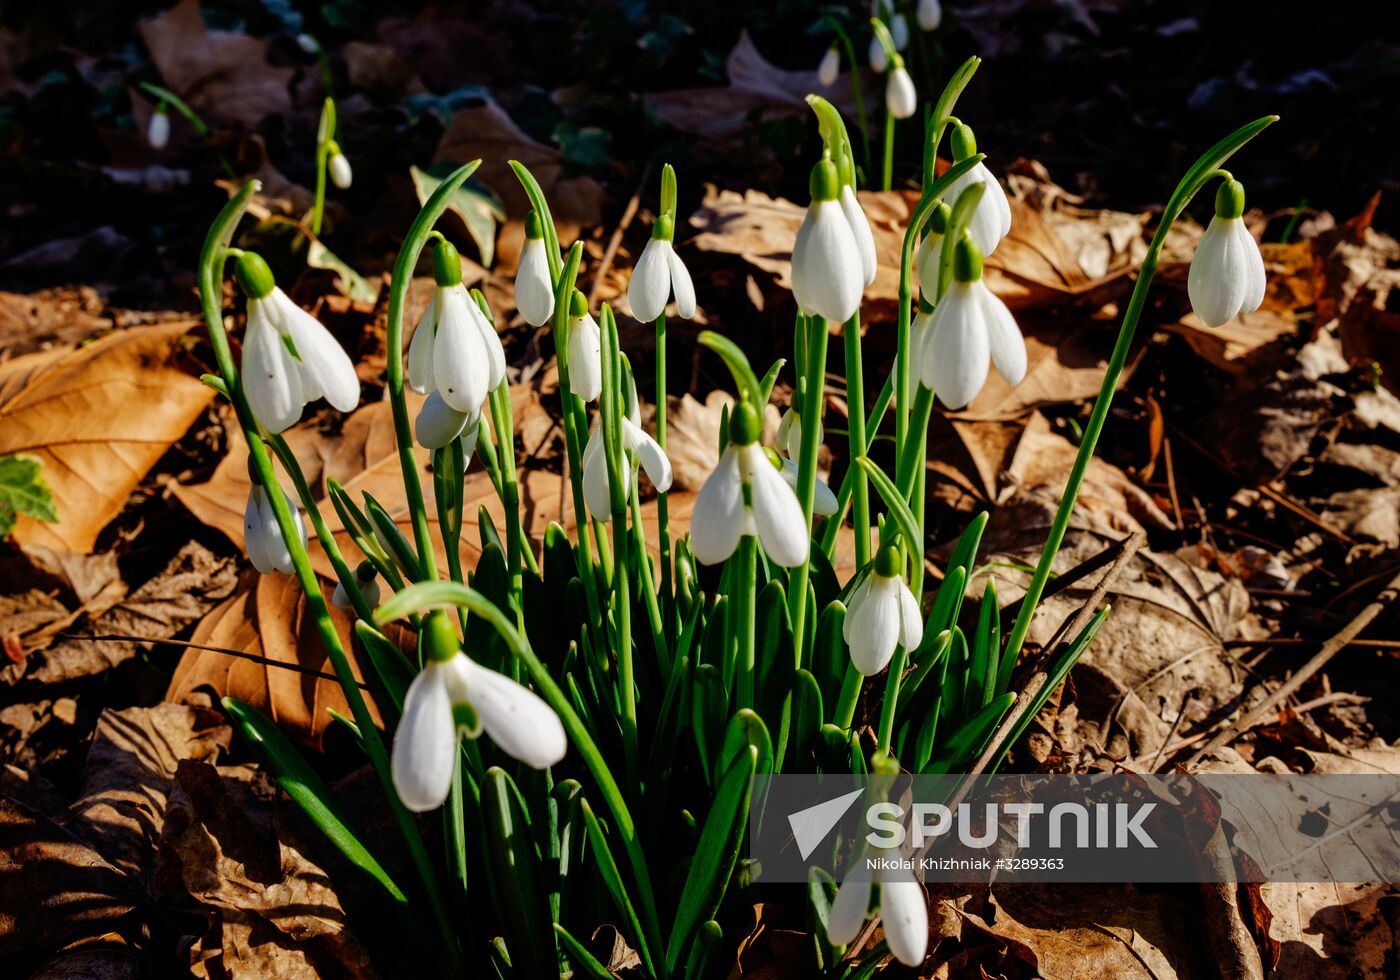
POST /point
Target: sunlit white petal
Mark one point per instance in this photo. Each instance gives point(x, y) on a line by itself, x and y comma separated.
point(830, 68)
point(420, 349)
point(849, 908)
point(650, 455)
point(717, 519)
point(956, 353)
point(904, 915)
point(860, 231)
point(929, 14)
point(585, 358)
point(827, 272)
point(900, 97)
point(158, 130)
point(782, 530)
point(824, 502)
point(534, 292)
point(425, 743)
point(681, 286)
point(326, 370)
point(438, 423)
point(517, 719)
point(461, 363)
point(650, 285)
point(271, 379)
point(341, 174)
point(1004, 338)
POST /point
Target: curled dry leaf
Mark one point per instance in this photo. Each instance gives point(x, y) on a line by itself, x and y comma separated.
point(98, 418)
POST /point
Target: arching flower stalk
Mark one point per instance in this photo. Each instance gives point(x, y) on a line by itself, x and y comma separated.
point(659, 273)
point(747, 496)
point(534, 287)
point(289, 358)
point(455, 697)
point(969, 327)
point(1227, 271)
point(882, 615)
point(454, 351)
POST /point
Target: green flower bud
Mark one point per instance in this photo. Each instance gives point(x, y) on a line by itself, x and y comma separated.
point(254, 275)
point(664, 228)
point(534, 227)
point(440, 640)
point(825, 183)
point(967, 260)
point(578, 304)
point(887, 562)
point(745, 426)
point(447, 264)
point(964, 143)
point(938, 219)
point(1229, 199)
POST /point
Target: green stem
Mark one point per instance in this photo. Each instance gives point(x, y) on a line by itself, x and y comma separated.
point(856, 91)
point(502, 420)
point(813, 400)
point(1195, 179)
point(663, 522)
point(212, 258)
point(325, 132)
point(887, 707)
point(742, 618)
point(855, 407)
point(887, 174)
point(850, 695)
point(848, 482)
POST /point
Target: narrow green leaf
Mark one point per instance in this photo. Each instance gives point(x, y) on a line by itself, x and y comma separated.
point(738, 364)
point(746, 730)
point(897, 506)
point(612, 880)
point(348, 281)
point(513, 869)
point(392, 669)
point(579, 955)
point(963, 746)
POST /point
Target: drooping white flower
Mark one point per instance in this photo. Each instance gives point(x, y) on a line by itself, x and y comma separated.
point(899, 32)
point(596, 485)
point(658, 273)
point(900, 98)
point(929, 14)
point(262, 537)
point(339, 169)
point(368, 585)
point(879, 61)
point(829, 69)
point(991, 220)
point(824, 502)
point(534, 289)
point(158, 129)
point(1227, 271)
point(903, 912)
point(457, 697)
point(969, 326)
point(454, 350)
point(930, 254)
point(828, 274)
point(918, 337)
point(308, 43)
point(860, 231)
point(438, 423)
point(585, 351)
point(289, 359)
point(769, 510)
point(789, 439)
point(883, 614)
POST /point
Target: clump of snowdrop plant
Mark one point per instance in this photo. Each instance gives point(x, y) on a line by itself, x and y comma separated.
point(564, 701)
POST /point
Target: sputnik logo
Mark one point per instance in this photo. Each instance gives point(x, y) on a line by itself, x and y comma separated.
point(810, 826)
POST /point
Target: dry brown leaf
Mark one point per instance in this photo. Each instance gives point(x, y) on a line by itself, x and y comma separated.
point(487, 132)
point(223, 75)
point(271, 911)
point(97, 418)
point(757, 88)
point(60, 316)
point(1229, 346)
point(1331, 930)
point(268, 619)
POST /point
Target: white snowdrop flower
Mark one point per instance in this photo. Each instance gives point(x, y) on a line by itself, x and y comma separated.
point(658, 273)
point(454, 350)
point(991, 220)
point(585, 351)
point(827, 270)
point(1227, 271)
point(969, 325)
point(746, 494)
point(339, 169)
point(903, 912)
point(649, 454)
point(883, 614)
point(262, 537)
point(930, 254)
point(308, 43)
point(289, 358)
point(900, 98)
point(829, 69)
point(860, 231)
point(453, 697)
point(534, 288)
point(824, 502)
point(369, 588)
point(879, 61)
point(158, 129)
point(790, 434)
point(438, 423)
point(929, 14)
point(899, 32)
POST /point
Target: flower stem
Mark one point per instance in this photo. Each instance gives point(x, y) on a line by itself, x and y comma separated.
point(813, 396)
point(663, 522)
point(850, 695)
point(887, 175)
point(856, 92)
point(855, 408)
point(742, 617)
point(325, 132)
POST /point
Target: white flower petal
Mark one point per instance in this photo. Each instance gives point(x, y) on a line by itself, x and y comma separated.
point(534, 292)
point(782, 530)
point(271, 379)
point(461, 365)
point(929, 14)
point(1004, 338)
point(468, 440)
point(420, 349)
point(860, 231)
point(158, 130)
point(876, 56)
point(717, 519)
point(991, 220)
point(516, 718)
point(904, 916)
point(341, 174)
point(829, 69)
point(650, 285)
point(824, 502)
point(849, 908)
point(1253, 262)
point(956, 354)
point(650, 455)
point(438, 423)
point(929, 257)
point(911, 621)
point(681, 285)
point(326, 370)
point(491, 344)
point(899, 32)
point(425, 743)
point(858, 597)
point(1216, 294)
point(597, 487)
point(826, 264)
point(874, 626)
point(789, 436)
point(585, 358)
point(900, 97)
point(257, 536)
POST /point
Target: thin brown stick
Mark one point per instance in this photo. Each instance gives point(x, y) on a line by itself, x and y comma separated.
point(1291, 686)
point(226, 651)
